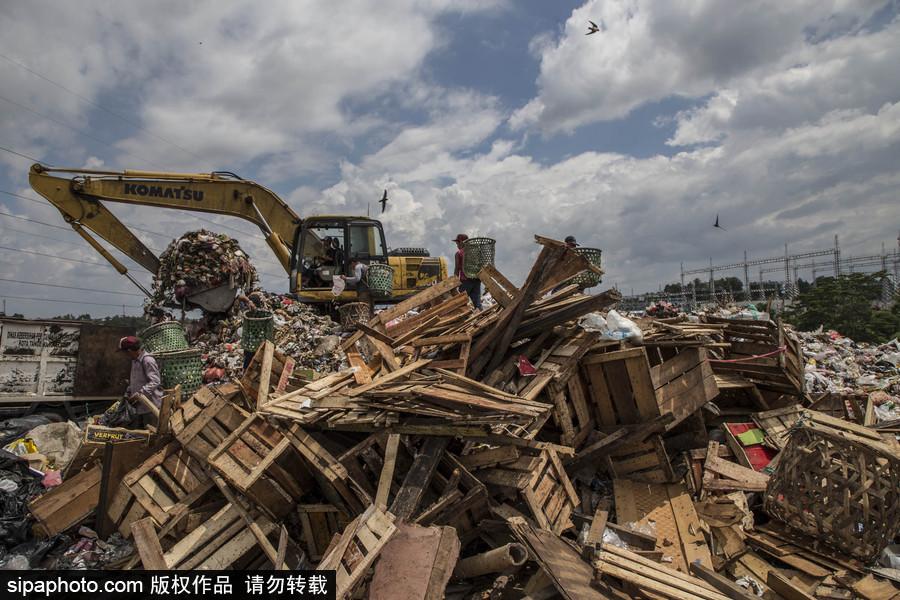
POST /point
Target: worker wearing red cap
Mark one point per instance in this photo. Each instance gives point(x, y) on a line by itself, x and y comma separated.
point(144, 380)
point(471, 286)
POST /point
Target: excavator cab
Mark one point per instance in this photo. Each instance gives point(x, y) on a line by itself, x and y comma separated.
point(323, 249)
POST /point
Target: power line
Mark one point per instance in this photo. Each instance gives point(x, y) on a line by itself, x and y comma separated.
point(67, 301)
point(22, 155)
point(69, 287)
point(101, 107)
point(41, 202)
point(46, 237)
point(56, 257)
point(87, 135)
point(3, 214)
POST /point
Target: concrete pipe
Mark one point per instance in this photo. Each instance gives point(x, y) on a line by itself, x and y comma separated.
point(510, 555)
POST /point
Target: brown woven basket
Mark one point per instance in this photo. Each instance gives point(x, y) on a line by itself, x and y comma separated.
point(837, 487)
point(353, 313)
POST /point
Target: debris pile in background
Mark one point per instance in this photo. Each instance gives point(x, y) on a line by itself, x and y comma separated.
point(200, 259)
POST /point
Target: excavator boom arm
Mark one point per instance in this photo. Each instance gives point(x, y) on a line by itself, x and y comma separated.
point(80, 200)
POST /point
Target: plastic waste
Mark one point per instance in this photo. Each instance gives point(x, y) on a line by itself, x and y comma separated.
point(15, 562)
point(338, 286)
point(613, 327)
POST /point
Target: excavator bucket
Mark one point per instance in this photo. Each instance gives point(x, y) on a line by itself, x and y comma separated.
point(216, 300)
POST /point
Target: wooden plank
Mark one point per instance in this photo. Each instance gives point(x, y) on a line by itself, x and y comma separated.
point(387, 471)
point(722, 584)
point(693, 542)
point(570, 575)
point(654, 578)
point(787, 588)
point(148, 545)
point(417, 478)
point(265, 374)
point(390, 377)
point(68, 503)
point(362, 375)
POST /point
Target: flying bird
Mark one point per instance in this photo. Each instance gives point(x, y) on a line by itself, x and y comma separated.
point(383, 201)
point(717, 224)
point(592, 28)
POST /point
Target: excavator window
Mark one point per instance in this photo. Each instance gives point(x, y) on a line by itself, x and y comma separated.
point(366, 242)
point(323, 255)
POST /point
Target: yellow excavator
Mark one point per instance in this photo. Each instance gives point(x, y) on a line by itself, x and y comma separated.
point(299, 244)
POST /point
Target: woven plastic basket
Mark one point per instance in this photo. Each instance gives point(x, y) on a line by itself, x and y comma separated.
point(839, 488)
point(586, 278)
point(163, 337)
point(183, 367)
point(354, 313)
point(381, 280)
point(258, 327)
point(477, 254)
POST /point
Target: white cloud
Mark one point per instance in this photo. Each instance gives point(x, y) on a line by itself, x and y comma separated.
point(652, 50)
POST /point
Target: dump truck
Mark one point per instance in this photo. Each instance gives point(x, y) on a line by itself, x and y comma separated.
point(61, 369)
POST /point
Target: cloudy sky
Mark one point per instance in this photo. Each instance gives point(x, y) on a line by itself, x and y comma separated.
point(495, 118)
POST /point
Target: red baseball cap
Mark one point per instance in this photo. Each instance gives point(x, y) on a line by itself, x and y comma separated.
point(460, 238)
point(128, 343)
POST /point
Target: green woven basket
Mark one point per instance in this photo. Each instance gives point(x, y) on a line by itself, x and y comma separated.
point(163, 337)
point(381, 280)
point(258, 327)
point(586, 278)
point(183, 367)
point(477, 254)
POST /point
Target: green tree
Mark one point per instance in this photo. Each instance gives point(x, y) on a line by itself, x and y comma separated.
point(845, 305)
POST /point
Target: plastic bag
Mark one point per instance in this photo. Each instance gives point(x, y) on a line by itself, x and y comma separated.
point(13, 429)
point(613, 327)
point(338, 286)
point(617, 323)
point(122, 414)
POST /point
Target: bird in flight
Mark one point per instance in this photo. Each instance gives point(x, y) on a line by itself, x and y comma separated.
point(717, 224)
point(383, 201)
point(592, 28)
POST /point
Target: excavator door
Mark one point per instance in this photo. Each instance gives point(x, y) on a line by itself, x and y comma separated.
point(323, 249)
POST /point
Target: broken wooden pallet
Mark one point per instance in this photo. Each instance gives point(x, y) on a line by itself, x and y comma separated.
point(159, 487)
point(351, 555)
point(249, 454)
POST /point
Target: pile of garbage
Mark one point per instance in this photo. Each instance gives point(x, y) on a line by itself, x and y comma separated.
point(839, 365)
point(200, 259)
point(302, 332)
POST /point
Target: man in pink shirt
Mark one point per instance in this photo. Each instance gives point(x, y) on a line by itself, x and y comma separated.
point(470, 286)
point(144, 380)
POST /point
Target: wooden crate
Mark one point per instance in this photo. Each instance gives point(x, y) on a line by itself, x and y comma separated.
point(269, 366)
point(571, 411)
point(683, 384)
point(669, 511)
point(542, 483)
point(338, 486)
point(67, 504)
point(645, 461)
point(169, 479)
point(224, 542)
point(319, 523)
point(208, 419)
point(765, 353)
point(621, 387)
point(837, 487)
point(455, 498)
point(356, 550)
point(247, 458)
